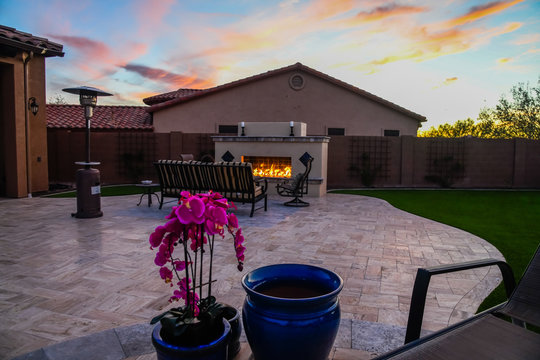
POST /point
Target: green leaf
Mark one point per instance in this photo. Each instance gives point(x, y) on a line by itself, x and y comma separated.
point(157, 318)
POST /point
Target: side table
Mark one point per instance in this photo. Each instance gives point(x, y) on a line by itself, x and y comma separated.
point(148, 190)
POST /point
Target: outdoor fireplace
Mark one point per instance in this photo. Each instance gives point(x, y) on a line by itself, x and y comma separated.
point(270, 145)
point(270, 166)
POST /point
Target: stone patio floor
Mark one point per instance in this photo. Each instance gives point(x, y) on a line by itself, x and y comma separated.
point(86, 288)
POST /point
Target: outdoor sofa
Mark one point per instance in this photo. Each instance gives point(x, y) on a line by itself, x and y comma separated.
point(233, 180)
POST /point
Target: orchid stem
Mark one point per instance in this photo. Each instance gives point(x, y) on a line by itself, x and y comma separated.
point(211, 245)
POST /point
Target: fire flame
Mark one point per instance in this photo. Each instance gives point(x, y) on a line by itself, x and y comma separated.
point(272, 170)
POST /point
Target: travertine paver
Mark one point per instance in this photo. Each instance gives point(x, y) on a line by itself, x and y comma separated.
point(63, 278)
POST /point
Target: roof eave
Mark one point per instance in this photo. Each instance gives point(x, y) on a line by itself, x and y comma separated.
point(29, 47)
point(297, 66)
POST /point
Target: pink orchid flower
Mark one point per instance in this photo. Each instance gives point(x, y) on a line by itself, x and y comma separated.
point(192, 224)
point(191, 211)
point(166, 274)
point(157, 236)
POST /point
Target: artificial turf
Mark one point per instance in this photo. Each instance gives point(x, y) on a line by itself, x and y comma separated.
point(510, 220)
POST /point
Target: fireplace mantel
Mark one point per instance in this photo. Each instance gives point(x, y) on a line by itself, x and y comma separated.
point(271, 138)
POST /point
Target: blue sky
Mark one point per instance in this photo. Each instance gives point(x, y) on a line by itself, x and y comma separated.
point(444, 59)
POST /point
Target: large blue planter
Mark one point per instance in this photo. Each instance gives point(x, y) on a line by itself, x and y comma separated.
point(279, 326)
point(216, 350)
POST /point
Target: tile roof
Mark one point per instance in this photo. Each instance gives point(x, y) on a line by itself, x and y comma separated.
point(11, 38)
point(105, 117)
point(297, 67)
point(159, 98)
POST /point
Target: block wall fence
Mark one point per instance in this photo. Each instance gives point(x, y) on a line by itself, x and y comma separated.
point(353, 161)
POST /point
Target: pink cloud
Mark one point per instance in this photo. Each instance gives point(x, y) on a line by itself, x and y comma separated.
point(150, 15)
point(172, 80)
point(97, 59)
point(527, 39)
point(324, 9)
point(87, 47)
point(386, 11)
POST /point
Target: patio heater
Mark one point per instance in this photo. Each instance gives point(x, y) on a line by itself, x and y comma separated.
point(87, 179)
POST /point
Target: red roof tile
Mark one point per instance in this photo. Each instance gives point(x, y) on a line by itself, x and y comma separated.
point(105, 117)
point(156, 99)
point(16, 39)
point(298, 66)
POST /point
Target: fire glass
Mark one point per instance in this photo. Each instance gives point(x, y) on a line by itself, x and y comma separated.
point(270, 166)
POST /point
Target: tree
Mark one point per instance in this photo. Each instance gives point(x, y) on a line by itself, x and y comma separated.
point(459, 129)
point(517, 117)
point(57, 100)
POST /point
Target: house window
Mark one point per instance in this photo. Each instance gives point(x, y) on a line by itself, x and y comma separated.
point(336, 131)
point(391, 132)
point(228, 129)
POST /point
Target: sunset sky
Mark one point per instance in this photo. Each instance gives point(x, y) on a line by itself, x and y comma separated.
point(443, 59)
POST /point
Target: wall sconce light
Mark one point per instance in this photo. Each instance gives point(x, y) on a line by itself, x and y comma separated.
point(291, 124)
point(243, 126)
point(33, 106)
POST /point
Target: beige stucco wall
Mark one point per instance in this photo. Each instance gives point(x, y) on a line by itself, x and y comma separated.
point(320, 104)
point(14, 129)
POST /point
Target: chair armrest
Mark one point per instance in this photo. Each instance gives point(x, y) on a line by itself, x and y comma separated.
point(265, 186)
point(421, 284)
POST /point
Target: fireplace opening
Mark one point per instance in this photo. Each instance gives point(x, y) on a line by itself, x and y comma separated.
point(270, 166)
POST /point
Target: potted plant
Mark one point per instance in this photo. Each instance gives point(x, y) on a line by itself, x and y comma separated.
point(201, 326)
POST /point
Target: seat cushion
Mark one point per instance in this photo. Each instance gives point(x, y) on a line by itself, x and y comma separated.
point(486, 337)
point(258, 190)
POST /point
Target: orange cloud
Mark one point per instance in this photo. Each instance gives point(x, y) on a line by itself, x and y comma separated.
point(480, 11)
point(450, 80)
point(446, 82)
point(244, 41)
point(424, 44)
point(141, 95)
point(508, 28)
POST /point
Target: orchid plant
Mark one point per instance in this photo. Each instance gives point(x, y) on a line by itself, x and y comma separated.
point(185, 244)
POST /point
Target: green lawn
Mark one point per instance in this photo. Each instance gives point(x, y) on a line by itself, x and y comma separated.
point(113, 190)
point(510, 220)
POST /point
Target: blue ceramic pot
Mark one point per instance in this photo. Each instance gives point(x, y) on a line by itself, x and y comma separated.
point(291, 311)
point(216, 350)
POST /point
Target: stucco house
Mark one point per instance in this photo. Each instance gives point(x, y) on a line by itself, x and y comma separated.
point(23, 132)
point(294, 93)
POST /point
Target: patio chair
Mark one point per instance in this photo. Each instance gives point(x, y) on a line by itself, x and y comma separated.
point(297, 187)
point(485, 335)
point(186, 157)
